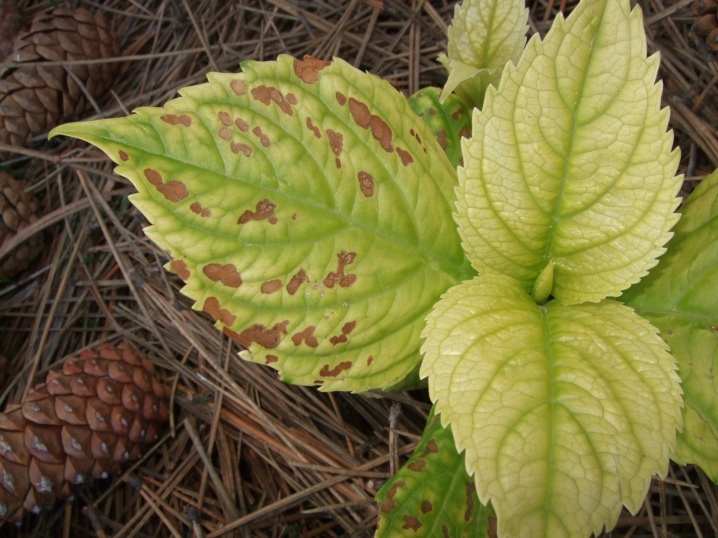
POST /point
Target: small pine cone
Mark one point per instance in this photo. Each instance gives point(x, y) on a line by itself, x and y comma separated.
point(704, 30)
point(17, 210)
point(10, 25)
point(34, 99)
point(103, 409)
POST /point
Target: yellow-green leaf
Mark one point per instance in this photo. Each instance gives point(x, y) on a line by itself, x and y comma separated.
point(483, 37)
point(307, 209)
point(680, 297)
point(565, 411)
point(570, 162)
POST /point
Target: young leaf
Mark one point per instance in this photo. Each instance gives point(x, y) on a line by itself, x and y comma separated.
point(570, 162)
point(449, 121)
point(432, 494)
point(679, 297)
point(307, 208)
point(565, 412)
point(483, 37)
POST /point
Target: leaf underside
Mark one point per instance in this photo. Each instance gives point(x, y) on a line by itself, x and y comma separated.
point(679, 297)
point(432, 494)
point(483, 37)
point(570, 162)
point(307, 209)
point(565, 411)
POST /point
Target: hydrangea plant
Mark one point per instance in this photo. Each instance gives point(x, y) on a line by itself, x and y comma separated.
point(483, 239)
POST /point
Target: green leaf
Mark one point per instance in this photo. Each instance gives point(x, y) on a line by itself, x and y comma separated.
point(679, 297)
point(570, 162)
point(565, 412)
point(308, 210)
point(483, 37)
point(449, 121)
point(432, 494)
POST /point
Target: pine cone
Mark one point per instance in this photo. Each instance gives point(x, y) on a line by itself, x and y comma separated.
point(10, 25)
point(34, 99)
point(17, 210)
point(100, 411)
point(705, 28)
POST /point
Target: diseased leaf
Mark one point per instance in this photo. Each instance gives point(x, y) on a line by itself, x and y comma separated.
point(307, 209)
point(483, 37)
point(449, 121)
point(680, 297)
point(565, 412)
point(432, 494)
point(570, 162)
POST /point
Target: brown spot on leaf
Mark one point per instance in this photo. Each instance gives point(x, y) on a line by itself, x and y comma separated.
point(336, 141)
point(267, 338)
point(445, 531)
point(292, 98)
point(153, 176)
point(431, 447)
point(381, 131)
point(432, 111)
point(465, 132)
point(212, 307)
point(226, 274)
point(306, 336)
point(225, 118)
point(179, 268)
point(241, 125)
point(370, 360)
point(338, 276)
point(271, 286)
point(313, 128)
point(266, 95)
point(360, 113)
point(263, 210)
point(341, 98)
point(366, 184)
point(417, 465)
point(244, 148)
point(470, 502)
point(457, 114)
point(338, 162)
point(388, 505)
point(308, 68)
point(334, 372)
point(124, 156)
point(239, 87)
point(349, 327)
point(273, 220)
point(173, 119)
point(415, 135)
point(296, 281)
point(203, 212)
point(441, 137)
point(405, 156)
point(318, 382)
point(225, 133)
point(340, 339)
point(173, 190)
point(263, 138)
point(271, 358)
point(426, 507)
point(411, 523)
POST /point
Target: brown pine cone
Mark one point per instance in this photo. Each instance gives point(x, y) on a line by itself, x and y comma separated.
point(704, 30)
point(34, 99)
point(10, 25)
point(17, 210)
point(103, 409)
